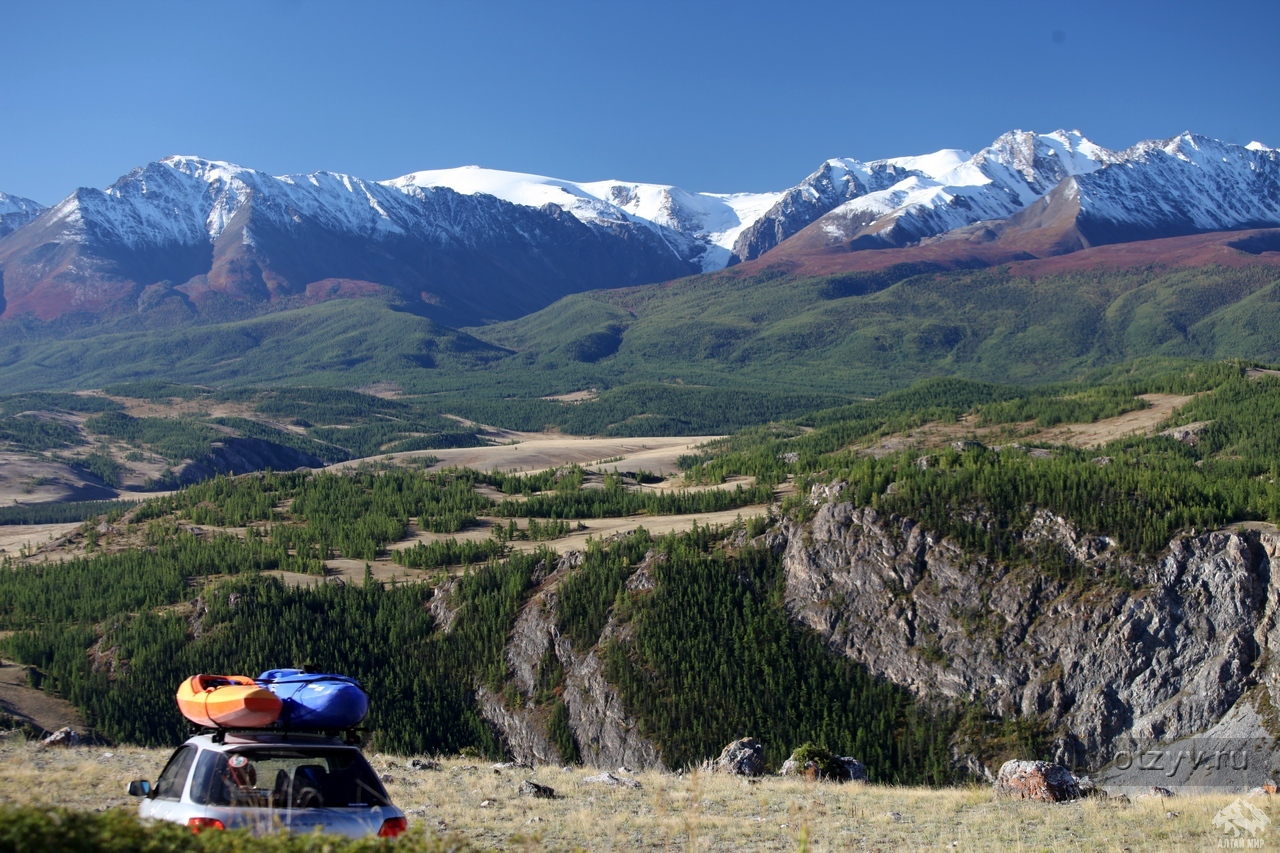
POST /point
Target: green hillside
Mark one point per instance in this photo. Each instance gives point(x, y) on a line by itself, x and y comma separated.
point(866, 333)
point(344, 343)
point(703, 355)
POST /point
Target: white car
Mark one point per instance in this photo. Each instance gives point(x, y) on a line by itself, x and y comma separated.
point(270, 782)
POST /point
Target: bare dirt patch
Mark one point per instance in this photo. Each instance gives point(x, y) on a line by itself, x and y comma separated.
point(30, 480)
point(575, 397)
point(528, 452)
point(14, 537)
point(352, 572)
point(935, 435)
point(658, 525)
point(385, 390)
point(33, 706)
point(1142, 422)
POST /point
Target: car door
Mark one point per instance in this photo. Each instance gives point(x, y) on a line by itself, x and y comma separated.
point(166, 796)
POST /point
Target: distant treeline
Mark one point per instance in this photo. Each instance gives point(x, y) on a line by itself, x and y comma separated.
point(62, 513)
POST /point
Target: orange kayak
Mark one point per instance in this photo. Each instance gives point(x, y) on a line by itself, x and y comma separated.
point(227, 701)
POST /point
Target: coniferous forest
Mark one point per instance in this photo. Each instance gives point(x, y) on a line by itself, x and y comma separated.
point(192, 582)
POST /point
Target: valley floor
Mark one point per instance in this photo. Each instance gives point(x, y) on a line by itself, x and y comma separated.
point(478, 801)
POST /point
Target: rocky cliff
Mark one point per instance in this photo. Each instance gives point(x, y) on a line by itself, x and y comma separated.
point(605, 734)
point(1132, 651)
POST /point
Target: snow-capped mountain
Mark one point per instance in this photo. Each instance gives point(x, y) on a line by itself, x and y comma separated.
point(703, 226)
point(470, 245)
point(1185, 185)
point(199, 230)
point(1070, 192)
point(903, 200)
point(16, 211)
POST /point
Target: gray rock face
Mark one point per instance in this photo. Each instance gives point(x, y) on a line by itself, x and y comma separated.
point(1114, 669)
point(1036, 780)
point(522, 729)
point(742, 757)
point(606, 735)
point(65, 736)
point(441, 607)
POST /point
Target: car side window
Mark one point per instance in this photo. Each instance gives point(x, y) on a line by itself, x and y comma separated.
point(174, 777)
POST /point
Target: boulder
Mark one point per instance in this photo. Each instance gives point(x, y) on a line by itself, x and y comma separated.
point(612, 781)
point(810, 760)
point(65, 736)
point(743, 757)
point(853, 770)
point(1156, 791)
point(1089, 788)
point(530, 788)
point(1036, 780)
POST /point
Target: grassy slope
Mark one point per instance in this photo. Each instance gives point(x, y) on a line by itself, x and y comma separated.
point(853, 334)
point(341, 343)
point(776, 331)
point(695, 811)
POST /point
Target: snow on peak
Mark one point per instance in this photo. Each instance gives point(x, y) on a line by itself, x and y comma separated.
point(18, 204)
point(711, 219)
point(188, 200)
point(937, 165)
point(515, 187)
point(16, 211)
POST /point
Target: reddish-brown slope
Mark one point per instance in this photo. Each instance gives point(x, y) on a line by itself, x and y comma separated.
point(1031, 252)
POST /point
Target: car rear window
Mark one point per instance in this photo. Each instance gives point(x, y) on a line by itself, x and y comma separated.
point(286, 777)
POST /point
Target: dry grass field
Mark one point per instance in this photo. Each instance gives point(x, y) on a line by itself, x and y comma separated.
point(695, 812)
point(1096, 434)
point(529, 452)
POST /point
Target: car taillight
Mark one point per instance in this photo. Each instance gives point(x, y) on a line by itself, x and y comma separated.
point(393, 826)
point(200, 824)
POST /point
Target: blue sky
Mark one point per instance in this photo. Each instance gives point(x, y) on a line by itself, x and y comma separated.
point(710, 96)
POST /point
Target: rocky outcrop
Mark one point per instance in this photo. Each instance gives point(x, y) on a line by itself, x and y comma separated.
point(1036, 780)
point(742, 757)
point(530, 788)
point(1104, 668)
point(611, 781)
point(522, 729)
point(442, 608)
point(839, 768)
point(606, 735)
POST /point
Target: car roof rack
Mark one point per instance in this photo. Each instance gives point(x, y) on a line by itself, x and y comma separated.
point(352, 737)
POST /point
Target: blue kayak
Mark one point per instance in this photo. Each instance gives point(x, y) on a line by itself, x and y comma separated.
point(316, 701)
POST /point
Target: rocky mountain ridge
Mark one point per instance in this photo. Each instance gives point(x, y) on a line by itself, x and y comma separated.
point(202, 238)
point(199, 234)
point(16, 211)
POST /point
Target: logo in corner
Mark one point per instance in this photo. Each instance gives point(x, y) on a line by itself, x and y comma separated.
point(1242, 816)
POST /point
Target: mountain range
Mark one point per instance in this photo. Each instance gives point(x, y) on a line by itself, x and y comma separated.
point(187, 240)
